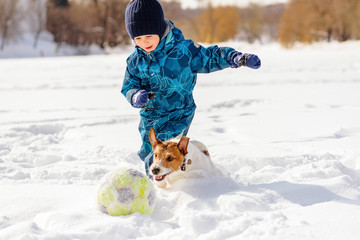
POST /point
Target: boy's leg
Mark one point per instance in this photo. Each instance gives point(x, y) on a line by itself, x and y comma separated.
point(145, 153)
point(174, 128)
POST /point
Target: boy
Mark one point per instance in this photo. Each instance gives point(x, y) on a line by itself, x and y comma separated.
point(161, 73)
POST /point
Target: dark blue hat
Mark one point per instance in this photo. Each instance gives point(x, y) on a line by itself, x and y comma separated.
point(143, 17)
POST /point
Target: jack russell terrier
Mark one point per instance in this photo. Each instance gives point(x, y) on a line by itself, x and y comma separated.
point(179, 158)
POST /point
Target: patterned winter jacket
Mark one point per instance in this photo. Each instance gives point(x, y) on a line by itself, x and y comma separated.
point(170, 71)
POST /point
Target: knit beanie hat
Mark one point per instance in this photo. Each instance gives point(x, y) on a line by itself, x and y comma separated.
point(143, 17)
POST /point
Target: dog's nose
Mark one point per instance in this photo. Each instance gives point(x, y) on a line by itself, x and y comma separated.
point(155, 171)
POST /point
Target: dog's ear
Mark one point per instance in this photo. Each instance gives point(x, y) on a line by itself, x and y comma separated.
point(152, 137)
point(183, 144)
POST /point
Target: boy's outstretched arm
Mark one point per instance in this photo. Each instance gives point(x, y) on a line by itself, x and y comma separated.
point(214, 58)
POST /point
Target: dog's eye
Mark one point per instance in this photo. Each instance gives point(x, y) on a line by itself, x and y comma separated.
point(155, 155)
point(169, 159)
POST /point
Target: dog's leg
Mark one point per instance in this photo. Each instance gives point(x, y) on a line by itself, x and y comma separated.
point(201, 147)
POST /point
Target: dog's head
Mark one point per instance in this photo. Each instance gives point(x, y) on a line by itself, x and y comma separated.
point(168, 156)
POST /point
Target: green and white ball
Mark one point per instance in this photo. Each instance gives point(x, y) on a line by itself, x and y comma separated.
point(126, 191)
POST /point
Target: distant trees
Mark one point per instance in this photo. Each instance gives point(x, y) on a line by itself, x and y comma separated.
point(314, 20)
point(86, 22)
point(110, 22)
point(59, 23)
point(217, 24)
point(252, 23)
point(60, 3)
point(260, 23)
point(102, 22)
point(37, 18)
point(10, 15)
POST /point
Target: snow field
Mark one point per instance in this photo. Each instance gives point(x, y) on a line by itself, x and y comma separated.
point(287, 136)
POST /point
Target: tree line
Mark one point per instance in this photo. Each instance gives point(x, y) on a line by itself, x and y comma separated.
point(101, 22)
point(318, 20)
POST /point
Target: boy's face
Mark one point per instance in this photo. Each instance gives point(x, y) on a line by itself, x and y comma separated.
point(147, 42)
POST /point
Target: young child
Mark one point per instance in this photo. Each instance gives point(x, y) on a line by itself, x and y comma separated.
point(161, 73)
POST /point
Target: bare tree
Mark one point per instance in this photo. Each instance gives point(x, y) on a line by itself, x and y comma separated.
point(9, 20)
point(111, 22)
point(272, 16)
point(58, 22)
point(253, 22)
point(85, 22)
point(37, 17)
point(315, 20)
point(60, 3)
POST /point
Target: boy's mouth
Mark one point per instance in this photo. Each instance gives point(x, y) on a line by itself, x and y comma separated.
point(148, 48)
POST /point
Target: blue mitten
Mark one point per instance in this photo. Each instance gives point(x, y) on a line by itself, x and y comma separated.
point(140, 98)
point(239, 59)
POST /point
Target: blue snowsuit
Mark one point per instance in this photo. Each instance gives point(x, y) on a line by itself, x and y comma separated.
point(170, 71)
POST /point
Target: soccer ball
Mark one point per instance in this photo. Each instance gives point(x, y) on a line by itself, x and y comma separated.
point(126, 191)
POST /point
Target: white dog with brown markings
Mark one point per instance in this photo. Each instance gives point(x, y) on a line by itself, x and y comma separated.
point(179, 158)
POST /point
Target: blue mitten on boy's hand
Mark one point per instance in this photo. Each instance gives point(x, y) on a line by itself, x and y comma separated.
point(140, 98)
point(239, 59)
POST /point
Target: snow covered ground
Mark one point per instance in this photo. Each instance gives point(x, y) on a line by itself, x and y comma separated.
point(23, 48)
point(287, 136)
